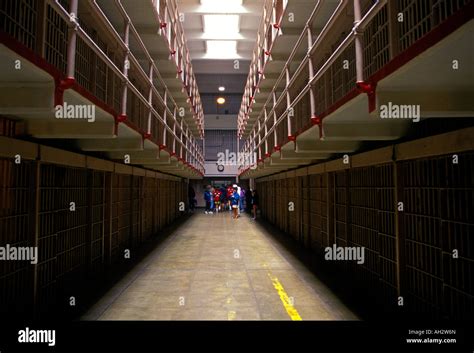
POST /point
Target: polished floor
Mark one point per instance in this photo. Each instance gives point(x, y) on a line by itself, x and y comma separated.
point(215, 268)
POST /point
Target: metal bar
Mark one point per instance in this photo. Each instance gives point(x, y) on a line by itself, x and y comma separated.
point(359, 51)
point(71, 46)
point(312, 98)
point(288, 100)
point(150, 98)
point(126, 64)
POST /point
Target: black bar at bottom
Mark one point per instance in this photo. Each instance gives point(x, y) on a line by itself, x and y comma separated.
point(215, 336)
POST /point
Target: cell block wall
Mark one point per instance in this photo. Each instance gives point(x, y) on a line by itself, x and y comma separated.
point(412, 218)
point(15, 224)
point(438, 224)
point(81, 221)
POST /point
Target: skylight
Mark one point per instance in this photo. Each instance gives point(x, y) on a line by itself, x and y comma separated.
point(221, 49)
point(222, 6)
point(221, 26)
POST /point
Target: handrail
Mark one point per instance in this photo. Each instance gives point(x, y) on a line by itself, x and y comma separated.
point(110, 64)
point(358, 27)
point(316, 43)
point(304, 89)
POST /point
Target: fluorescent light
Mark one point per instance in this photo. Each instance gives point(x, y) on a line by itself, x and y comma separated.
point(221, 88)
point(221, 4)
point(221, 26)
point(220, 100)
point(221, 49)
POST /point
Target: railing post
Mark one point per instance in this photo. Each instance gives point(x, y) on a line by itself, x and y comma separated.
point(181, 139)
point(174, 131)
point(359, 51)
point(165, 124)
point(275, 137)
point(150, 100)
point(71, 47)
point(186, 154)
point(312, 100)
point(288, 102)
point(266, 129)
point(260, 140)
point(126, 66)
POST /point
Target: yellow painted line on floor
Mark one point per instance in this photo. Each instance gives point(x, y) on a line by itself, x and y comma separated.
point(231, 315)
point(290, 309)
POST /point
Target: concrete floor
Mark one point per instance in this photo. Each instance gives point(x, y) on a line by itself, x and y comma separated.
point(215, 268)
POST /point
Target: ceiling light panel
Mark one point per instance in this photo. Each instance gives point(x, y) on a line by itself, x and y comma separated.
point(221, 49)
point(221, 26)
point(222, 6)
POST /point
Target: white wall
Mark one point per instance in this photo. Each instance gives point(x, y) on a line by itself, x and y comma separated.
point(220, 122)
point(211, 170)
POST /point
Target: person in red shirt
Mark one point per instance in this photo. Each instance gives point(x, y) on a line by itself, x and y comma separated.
point(217, 199)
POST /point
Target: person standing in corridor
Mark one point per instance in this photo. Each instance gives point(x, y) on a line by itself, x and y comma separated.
point(254, 203)
point(208, 198)
point(191, 198)
point(235, 203)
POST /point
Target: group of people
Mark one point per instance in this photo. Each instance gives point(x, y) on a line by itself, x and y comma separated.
point(232, 198)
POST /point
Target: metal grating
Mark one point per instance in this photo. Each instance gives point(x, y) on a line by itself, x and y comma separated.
point(318, 213)
point(377, 45)
point(18, 18)
point(293, 197)
point(421, 16)
point(421, 195)
point(97, 220)
point(218, 141)
point(305, 211)
point(342, 81)
point(56, 39)
point(14, 230)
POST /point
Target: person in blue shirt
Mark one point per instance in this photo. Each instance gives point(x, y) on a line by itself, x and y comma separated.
point(208, 199)
point(234, 201)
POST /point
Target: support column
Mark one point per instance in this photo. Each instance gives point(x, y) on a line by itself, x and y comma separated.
point(288, 102)
point(312, 99)
point(165, 124)
point(150, 101)
point(359, 51)
point(126, 65)
point(275, 137)
point(174, 132)
point(72, 33)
